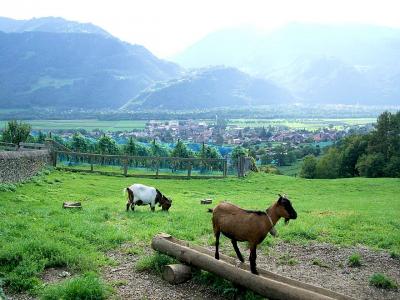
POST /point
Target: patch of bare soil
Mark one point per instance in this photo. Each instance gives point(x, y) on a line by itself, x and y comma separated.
point(131, 284)
point(327, 266)
point(49, 276)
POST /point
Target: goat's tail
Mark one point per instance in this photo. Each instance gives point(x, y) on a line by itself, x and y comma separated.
point(124, 191)
point(210, 210)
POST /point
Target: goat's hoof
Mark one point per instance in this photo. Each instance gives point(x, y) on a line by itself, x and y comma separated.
point(255, 272)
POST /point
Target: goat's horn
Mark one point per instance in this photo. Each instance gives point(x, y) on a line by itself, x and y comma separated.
point(280, 195)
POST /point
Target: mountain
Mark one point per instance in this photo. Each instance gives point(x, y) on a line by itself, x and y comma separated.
point(210, 88)
point(49, 24)
point(73, 69)
point(370, 53)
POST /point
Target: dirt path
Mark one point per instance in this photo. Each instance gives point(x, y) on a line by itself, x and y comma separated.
point(130, 284)
point(326, 265)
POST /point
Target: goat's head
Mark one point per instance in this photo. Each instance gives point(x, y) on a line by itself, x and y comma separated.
point(165, 203)
point(285, 209)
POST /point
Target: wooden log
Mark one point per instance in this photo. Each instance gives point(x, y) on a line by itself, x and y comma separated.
point(177, 273)
point(266, 284)
point(206, 201)
point(72, 205)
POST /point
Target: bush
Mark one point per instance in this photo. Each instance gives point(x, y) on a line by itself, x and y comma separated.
point(269, 169)
point(154, 262)
point(371, 165)
point(354, 260)
point(86, 287)
point(7, 187)
point(382, 281)
point(308, 168)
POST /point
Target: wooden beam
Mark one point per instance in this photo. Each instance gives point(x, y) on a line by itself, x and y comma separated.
point(266, 284)
point(177, 273)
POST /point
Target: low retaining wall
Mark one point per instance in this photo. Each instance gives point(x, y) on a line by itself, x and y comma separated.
point(17, 166)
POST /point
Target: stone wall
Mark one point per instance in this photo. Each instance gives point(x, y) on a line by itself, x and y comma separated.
point(17, 166)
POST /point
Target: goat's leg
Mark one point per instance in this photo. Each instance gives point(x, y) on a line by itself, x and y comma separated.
point(128, 204)
point(217, 244)
point(133, 206)
point(235, 246)
point(152, 207)
point(253, 257)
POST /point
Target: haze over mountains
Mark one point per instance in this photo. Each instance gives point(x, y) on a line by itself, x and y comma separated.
point(209, 88)
point(318, 63)
point(52, 62)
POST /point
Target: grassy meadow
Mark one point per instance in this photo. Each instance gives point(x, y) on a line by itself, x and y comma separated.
point(36, 233)
point(83, 124)
point(124, 125)
point(309, 124)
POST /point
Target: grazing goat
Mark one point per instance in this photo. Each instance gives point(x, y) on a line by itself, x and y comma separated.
point(139, 194)
point(248, 225)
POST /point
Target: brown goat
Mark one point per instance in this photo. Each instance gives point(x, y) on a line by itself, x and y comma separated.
point(247, 225)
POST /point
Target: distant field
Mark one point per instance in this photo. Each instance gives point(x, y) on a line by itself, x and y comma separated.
point(83, 124)
point(310, 124)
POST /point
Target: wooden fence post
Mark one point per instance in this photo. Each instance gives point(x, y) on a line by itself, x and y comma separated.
point(54, 157)
point(125, 162)
point(157, 167)
point(91, 163)
point(189, 168)
point(225, 167)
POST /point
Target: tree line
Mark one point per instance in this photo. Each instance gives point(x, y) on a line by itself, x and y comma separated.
point(376, 154)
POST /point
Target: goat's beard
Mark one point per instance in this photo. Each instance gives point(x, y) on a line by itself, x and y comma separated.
point(287, 221)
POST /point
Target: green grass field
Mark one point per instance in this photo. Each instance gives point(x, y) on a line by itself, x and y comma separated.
point(36, 233)
point(310, 124)
point(83, 124)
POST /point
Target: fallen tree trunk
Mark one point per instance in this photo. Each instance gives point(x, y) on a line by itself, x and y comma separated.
point(177, 273)
point(266, 284)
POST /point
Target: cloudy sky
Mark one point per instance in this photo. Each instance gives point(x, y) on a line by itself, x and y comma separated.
point(168, 26)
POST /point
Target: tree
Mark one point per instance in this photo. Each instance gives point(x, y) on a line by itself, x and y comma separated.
point(79, 143)
point(236, 153)
point(371, 165)
point(208, 152)
point(106, 145)
point(280, 155)
point(351, 149)
point(41, 137)
point(16, 132)
point(309, 167)
point(181, 150)
point(328, 165)
point(131, 147)
point(159, 150)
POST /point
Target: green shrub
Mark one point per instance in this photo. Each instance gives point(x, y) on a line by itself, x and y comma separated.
point(394, 254)
point(7, 187)
point(354, 260)
point(287, 259)
point(154, 262)
point(382, 281)
point(86, 287)
point(319, 263)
